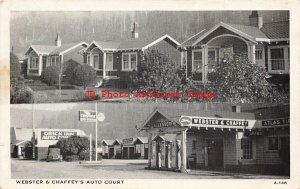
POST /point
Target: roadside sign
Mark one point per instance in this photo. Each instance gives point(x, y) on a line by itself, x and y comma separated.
point(100, 117)
point(87, 115)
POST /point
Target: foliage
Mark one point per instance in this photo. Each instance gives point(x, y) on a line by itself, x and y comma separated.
point(68, 68)
point(157, 73)
point(20, 93)
point(73, 145)
point(237, 80)
point(15, 68)
point(50, 75)
point(84, 75)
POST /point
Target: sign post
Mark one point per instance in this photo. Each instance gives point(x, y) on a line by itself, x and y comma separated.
point(92, 116)
point(96, 136)
point(90, 146)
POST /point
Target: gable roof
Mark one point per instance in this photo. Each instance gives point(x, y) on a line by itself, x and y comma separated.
point(188, 42)
point(143, 140)
point(117, 142)
point(108, 142)
point(132, 44)
point(273, 31)
point(276, 30)
point(52, 49)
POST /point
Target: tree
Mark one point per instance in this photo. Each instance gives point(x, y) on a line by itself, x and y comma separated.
point(84, 75)
point(157, 73)
point(15, 68)
point(73, 145)
point(50, 75)
point(19, 92)
point(237, 80)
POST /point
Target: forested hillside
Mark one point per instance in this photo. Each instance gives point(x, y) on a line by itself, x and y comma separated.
point(41, 27)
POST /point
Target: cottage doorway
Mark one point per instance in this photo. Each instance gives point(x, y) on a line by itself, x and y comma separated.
point(215, 153)
point(111, 153)
point(131, 153)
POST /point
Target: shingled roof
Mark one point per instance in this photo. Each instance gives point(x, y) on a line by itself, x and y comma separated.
point(276, 30)
point(132, 43)
point(52, 49)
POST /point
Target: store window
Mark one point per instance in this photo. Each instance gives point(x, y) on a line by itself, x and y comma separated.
point(129, 61)
point(273, 143)
point(197, 60)
point(246, 146)
point(194, 144)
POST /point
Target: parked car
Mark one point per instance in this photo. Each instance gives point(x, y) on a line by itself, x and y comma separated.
point(54, 155)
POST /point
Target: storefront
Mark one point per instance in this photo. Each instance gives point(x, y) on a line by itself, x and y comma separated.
point(141, 147)
point(47, 137)
point(217, 140)
point(128, 148)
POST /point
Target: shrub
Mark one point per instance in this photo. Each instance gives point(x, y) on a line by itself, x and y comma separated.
point(68, 68)
point(50, 75)
point(84, 75)
point(20, 93)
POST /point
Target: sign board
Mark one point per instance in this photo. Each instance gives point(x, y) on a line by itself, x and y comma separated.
point(56, 135)
point(127, 141)
point(162, 124)
point(275, 122)
point(87, 115)
point(215, 122)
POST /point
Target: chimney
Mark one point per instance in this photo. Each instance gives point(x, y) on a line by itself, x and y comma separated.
point(134, 33)
point(255, 20)
point(236, 108)
point(58, 41)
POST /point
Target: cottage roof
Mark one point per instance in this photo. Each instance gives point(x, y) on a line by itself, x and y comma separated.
point(117, 142)
point(108, 142)
point(276, 30)
point(133, 44)
point(272, 31)
point(20, 134)
point(142, 140)
point(52, 49)
point(192, 39)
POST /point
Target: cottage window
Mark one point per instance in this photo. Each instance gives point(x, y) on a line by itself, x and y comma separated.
point(258, 54)
point(279, 58)
point(273, 143)
point(88, 61)
point(55, 61)
point(34, 62)
point(96, 62)
point(129, 61)
point(246, 146)
point(197, 60)
point(138, 148)
point(212, 58)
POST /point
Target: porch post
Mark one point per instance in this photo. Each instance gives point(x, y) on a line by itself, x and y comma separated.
point(149, 149)
point(28, 64)
point(183, 151)
point(104, 64)
point(40, 65)
point(251, 52)
point(204, 62)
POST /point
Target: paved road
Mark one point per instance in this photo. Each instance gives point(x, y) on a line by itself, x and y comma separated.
point(117, 169)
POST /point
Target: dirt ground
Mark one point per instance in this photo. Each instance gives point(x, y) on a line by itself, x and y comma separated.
point(117, 169)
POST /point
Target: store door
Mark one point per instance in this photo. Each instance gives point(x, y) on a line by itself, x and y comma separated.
point(215, 153)
point(146, 153)
point(111, 153)
point(131, 153)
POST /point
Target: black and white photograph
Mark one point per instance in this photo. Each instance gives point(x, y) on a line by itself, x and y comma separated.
point(107, 98)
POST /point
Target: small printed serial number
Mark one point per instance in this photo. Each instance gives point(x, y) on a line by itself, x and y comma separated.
point(280, 182)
